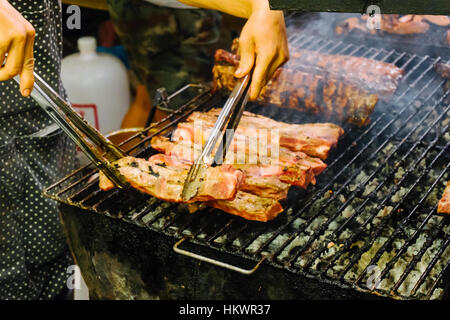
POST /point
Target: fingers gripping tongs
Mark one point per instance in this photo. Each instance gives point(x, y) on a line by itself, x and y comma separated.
point(97, 148)
point(231, 113)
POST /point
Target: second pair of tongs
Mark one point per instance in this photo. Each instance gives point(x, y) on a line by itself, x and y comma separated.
point(231, 114)
point(94, 145)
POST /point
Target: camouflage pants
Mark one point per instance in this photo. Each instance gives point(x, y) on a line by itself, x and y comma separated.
point(166, 47)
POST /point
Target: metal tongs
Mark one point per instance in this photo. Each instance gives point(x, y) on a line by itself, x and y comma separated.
point(95, 146)
point(231, 113)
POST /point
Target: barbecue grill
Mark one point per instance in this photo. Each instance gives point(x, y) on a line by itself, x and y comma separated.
point(367, 229)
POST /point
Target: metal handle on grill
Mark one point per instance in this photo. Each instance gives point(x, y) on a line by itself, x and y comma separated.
point(213, 261)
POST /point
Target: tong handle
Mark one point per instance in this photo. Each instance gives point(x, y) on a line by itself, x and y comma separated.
point(233, 123)
point(224, 116)
point(228, 111)
point(58, 109)
point(76, 119)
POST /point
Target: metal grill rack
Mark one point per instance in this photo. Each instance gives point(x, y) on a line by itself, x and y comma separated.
point(370, 222)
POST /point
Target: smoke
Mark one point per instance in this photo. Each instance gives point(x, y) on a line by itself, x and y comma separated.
point(377, 30)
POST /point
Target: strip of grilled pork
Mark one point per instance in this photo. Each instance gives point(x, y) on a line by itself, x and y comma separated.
point(298, 174)
point(163, 178)
point(394, 24)
point(368, 74)
point(258, 180)
point(338, 87)
point(314, 139)
point(250, 207)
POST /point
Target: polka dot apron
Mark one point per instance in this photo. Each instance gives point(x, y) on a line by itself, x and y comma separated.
point(34, 153)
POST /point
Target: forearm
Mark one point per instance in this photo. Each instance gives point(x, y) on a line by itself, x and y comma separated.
point(238, 8)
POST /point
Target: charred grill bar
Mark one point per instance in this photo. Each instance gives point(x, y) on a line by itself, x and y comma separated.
point(370, 223)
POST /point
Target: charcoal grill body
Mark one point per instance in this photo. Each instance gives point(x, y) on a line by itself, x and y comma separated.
point(120, 260)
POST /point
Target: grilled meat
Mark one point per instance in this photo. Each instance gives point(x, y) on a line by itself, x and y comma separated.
point(251, 190)
point(352, 23)
point(409, 24)
point(266, 187)
point(163, 178)
point(444, 203)
point(165, 181)
point(260, 205)
point(443, 21)
point(240, 151)
point(368, 74)
point(293, 174)
point(443, 70)
point(298, 174)
point(390, 23)
point(314, 139)
point(250, 207)
point(337, 87)
point(231, 58)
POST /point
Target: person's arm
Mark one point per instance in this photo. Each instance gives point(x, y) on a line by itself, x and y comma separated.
point(263, 41)
point(16, 45)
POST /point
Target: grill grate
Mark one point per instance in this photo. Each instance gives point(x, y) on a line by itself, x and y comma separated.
point(369, 223)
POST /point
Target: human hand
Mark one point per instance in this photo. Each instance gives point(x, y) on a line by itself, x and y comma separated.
point(16, 46)
point(263, 45)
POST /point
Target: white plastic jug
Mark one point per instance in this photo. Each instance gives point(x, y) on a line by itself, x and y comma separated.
point(97, 85)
